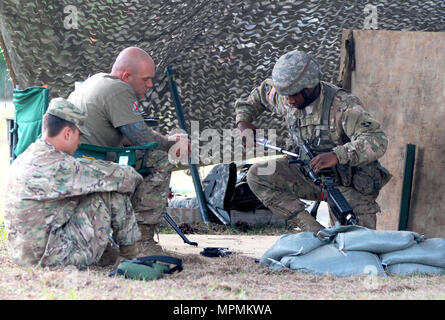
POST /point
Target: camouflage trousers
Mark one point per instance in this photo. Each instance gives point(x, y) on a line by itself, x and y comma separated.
point(151, 197)
point(82, 240)
point(281, 193)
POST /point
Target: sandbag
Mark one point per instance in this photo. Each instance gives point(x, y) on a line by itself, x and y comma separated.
point(354, 250)
point(328, 259)
point(359, 238)
point(328, 235)
point(377, 241)
point(429, 252)
point(290, 244)
point(412, 268)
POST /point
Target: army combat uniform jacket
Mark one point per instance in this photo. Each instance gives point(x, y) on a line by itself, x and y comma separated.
point(59, 210)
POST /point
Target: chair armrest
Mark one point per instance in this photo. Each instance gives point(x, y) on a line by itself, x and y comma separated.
point(94, 147)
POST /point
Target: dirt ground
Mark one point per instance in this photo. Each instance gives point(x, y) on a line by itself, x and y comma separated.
point(252, 246)
point(234, 277)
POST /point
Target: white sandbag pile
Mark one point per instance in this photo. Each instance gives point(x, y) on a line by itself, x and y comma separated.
point(353, 250)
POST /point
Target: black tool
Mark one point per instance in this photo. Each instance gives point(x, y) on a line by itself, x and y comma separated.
point(215, 252)
point(173, 224)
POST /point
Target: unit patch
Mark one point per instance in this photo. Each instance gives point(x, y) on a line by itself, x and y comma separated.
point(136, 110)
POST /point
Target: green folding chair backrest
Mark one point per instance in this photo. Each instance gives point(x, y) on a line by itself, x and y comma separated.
point(30, 106)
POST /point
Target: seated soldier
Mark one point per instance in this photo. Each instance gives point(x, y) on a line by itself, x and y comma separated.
point(115, 118)
point(60, 210)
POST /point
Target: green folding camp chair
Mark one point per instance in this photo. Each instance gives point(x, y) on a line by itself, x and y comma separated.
point(30, 106)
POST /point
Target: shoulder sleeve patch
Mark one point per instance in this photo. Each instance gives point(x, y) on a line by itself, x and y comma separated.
point(136, 109)
point(272, 95)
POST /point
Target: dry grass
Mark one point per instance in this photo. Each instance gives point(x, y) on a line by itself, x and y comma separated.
point(232, 277)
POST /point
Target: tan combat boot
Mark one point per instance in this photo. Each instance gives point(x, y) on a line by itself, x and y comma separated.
point(129, 252)
point(305, 222)
point(109, 256)
point(147, 246)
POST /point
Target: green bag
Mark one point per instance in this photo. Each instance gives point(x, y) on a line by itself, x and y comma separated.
point(147, 268)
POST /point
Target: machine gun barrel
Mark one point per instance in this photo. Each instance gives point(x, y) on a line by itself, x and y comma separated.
point(311, 173)
point(265, 143)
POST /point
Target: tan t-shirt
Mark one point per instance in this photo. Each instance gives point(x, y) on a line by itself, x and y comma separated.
point(109, 104)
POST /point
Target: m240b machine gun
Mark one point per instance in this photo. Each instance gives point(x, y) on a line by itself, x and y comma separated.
point(335, 199)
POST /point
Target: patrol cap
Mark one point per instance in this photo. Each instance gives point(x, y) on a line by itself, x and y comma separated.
point(65, 110)
point(295, 71)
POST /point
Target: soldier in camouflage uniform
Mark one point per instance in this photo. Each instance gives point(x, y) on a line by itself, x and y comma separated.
point(115, 118)
point(343, 135)
point(60, 210)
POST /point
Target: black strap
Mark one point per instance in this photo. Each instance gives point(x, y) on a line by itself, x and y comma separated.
point(330, 93)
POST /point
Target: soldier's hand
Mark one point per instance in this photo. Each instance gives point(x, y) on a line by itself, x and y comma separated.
point(244, 125)
point(323, 161)
point(183, 142)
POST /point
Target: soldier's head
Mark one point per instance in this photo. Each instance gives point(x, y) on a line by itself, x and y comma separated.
point(297, 75)
point(63, 124)
point(135, 67)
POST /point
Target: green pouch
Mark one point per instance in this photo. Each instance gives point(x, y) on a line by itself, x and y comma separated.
point(370, 178)
point(147, 268)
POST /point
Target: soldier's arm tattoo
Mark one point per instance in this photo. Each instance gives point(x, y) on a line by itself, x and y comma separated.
point(137, 133)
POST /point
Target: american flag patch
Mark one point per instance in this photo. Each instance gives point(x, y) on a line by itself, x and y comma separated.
point(272, 94)
point(136, 109)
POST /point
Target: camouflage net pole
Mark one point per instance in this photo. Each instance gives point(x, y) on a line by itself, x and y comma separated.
point(193, 169)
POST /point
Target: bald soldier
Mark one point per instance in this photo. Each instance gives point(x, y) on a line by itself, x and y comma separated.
point(336, 126)
point(115, 118)
point(60, 210)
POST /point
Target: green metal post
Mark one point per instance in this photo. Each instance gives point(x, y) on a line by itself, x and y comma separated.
point(193, 169)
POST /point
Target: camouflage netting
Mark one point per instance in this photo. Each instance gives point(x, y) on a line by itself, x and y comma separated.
point(219, 49)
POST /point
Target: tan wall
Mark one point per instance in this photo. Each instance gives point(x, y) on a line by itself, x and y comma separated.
point(400, 78)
